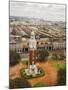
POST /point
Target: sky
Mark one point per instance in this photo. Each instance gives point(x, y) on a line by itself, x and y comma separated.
point(50, 12)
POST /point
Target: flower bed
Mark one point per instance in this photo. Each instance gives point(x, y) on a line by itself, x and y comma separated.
point(23, 74)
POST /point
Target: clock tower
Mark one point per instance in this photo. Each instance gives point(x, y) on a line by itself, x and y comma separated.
point(32, 48)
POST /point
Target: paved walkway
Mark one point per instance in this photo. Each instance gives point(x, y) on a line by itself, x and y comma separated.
point(14, 72)
point(49, 79)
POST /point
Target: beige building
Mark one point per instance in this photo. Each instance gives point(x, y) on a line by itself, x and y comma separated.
point(21, 45)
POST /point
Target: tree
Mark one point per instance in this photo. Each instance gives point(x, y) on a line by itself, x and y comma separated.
point(19, 83)
point(42, 55)
point(62, 76)
point(14, 58)
point(54, 56)
point(62, 57)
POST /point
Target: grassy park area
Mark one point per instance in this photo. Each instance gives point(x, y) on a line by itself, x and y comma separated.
point(53, 72)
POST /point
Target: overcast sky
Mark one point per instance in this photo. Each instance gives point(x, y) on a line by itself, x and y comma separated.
point(52, 12)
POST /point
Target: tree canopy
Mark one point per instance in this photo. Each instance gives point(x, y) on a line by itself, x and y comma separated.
point(14, 58)
point(19, 83)
point(42, 55)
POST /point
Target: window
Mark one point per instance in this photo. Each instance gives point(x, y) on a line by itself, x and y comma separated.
point(26, 49)
point(37, 43)
point(41, 43)
point(27, 43)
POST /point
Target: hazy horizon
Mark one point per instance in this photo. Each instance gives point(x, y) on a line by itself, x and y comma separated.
point(49, 12)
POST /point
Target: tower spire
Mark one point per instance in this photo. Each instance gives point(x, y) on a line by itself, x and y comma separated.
point(32, 35)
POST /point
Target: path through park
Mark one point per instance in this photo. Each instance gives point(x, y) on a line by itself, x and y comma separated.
point(49, 79)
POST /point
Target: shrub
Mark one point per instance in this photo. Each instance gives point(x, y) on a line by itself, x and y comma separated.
point(54, 56)
point(62, 57)
point(14, 58)
point(19, 83)
point(58, 57)
point(62, 76)
point(42, 55)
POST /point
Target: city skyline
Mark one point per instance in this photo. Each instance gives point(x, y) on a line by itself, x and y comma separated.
point(51, 12)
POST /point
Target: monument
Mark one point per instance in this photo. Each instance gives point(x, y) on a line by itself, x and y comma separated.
point(32, 68)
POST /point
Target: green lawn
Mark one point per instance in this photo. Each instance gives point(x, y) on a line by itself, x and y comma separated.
point(57, 64)
point(25, 62)
point(39, 85)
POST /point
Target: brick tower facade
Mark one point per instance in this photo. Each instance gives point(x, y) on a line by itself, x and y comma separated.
point(32, 48)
